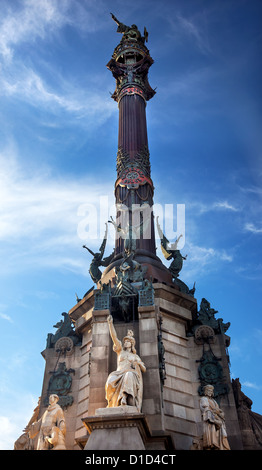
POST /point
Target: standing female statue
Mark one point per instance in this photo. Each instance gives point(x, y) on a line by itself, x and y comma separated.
point(125, 385)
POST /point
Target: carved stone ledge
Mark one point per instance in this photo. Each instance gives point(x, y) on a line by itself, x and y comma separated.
point(122, 428)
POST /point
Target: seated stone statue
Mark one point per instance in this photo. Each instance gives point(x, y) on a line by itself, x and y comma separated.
point(51, 427)
point(125, 385)
point(214, 429)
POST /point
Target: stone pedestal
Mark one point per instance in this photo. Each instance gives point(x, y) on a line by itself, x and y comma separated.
point(171, 417)
point(120, 428)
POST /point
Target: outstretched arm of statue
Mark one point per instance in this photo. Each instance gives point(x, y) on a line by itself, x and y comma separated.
point(88, 249)
point(112, 331)
point(115, 19)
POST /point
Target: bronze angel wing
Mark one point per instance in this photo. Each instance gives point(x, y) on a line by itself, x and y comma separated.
point(103, 245)
point(164, 242)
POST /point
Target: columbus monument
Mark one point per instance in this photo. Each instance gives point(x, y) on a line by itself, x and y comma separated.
point(139, 363)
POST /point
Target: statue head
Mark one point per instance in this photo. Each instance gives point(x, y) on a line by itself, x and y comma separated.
point(209, 390)
point(53, 399)
point(129, 338)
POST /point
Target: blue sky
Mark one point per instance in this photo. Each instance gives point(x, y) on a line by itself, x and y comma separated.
point(58, 145)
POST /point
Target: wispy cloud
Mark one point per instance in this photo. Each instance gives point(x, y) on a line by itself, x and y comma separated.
point(6, 317)
point(9, 430)
point(251, 272)
point(201, 261)
point(191, 85)
point(252, 385)
point(225, 205)
point(195, 32)
point(31, 21)
point(250, 227)
point(31, 88)
point(203, 256)
point(14, 419)
point(39, 215)
point(29, 82)
point(203, 207)
point(252, 189)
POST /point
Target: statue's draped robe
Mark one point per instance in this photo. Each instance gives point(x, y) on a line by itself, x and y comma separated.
point(52, 423)
point(125, 379)
point(214, 430)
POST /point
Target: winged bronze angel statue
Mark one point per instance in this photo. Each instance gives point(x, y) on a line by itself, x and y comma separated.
point(177, 263)
point(99, 260)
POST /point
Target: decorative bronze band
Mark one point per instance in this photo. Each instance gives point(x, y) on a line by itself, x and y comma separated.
point(131, 90)
point(141, 159)
point(133, 177)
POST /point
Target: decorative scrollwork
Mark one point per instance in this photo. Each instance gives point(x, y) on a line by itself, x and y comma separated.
point(204, 333)
point(64, 346)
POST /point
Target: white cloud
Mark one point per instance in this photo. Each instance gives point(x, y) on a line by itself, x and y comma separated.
point(39, 216)
point(195, 32)
point(250, 271)
point(252, 189)
point(27, 85)
point(21, 78)
point(42, 19)
point(33, 20)
point(31, 203)
point(249, 227)
point(202, 208)
point(14, 418)
point(225, 205)
point(200, 261)
point(4, 316)
point(252, 385)
point(199, 254)
point(8, 431)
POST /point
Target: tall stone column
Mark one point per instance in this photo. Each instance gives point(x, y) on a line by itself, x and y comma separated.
point(134, 188)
